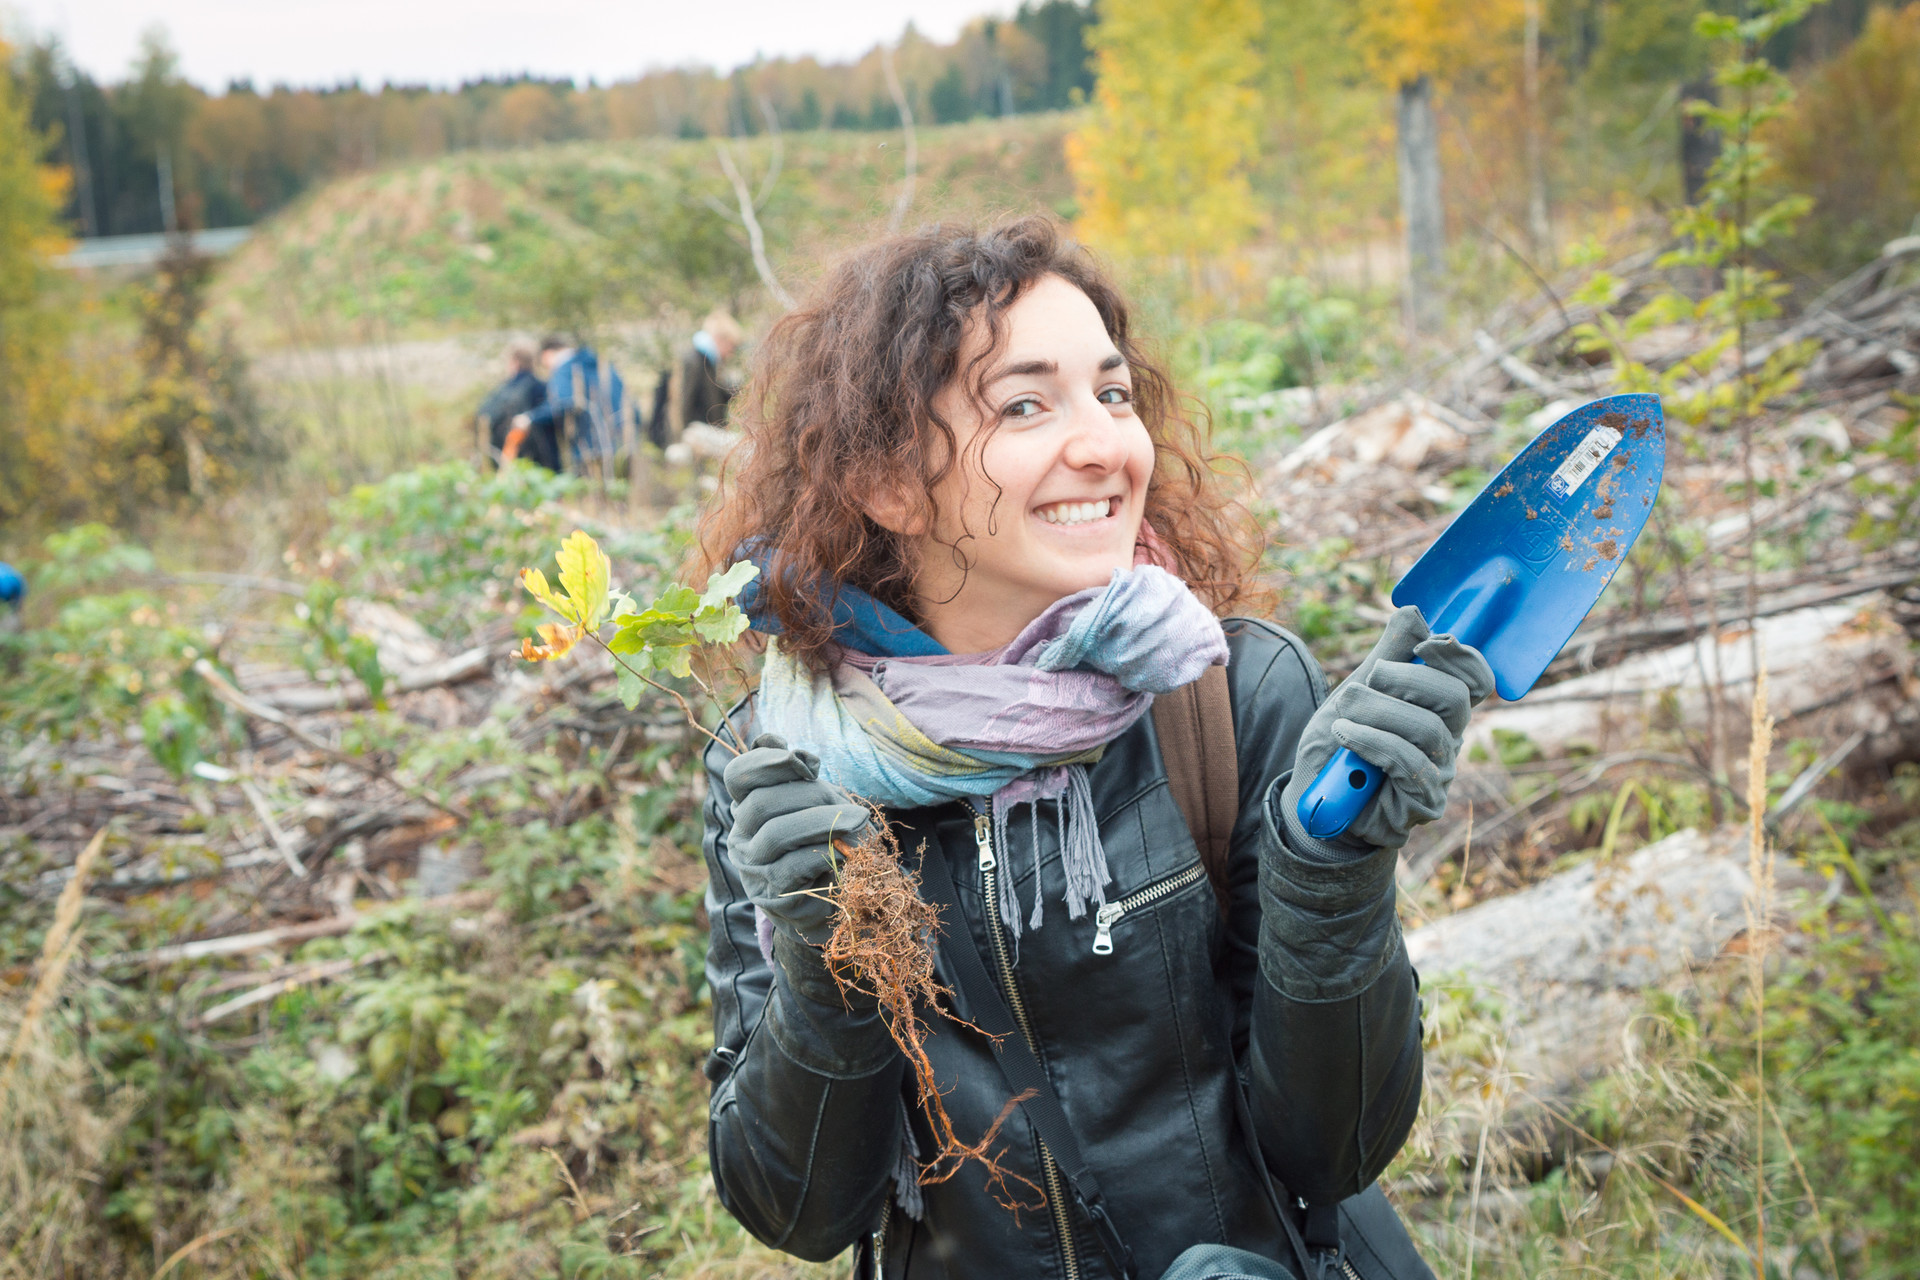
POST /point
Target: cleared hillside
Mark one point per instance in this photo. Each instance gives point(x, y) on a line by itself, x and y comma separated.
point(612, 233)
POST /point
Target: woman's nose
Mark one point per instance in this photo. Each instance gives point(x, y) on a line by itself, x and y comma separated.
point(1093, 441)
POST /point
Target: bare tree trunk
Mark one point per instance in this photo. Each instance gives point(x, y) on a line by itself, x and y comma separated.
point(1420, 205)
point(169, 216)
point(1539, 227)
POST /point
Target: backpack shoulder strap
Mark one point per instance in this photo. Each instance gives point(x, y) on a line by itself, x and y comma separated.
point(1195, 726)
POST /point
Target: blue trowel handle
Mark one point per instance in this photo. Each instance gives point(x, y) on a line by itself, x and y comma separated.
point(1344, 788)
point(1348, 783)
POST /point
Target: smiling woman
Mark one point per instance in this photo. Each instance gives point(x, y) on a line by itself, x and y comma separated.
point(933, 426)
point(1056, 472)
point(990, 541)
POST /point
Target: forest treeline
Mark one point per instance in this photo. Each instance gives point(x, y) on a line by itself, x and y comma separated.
point(228, 158)
point(1609, 85)
point(1242, 160)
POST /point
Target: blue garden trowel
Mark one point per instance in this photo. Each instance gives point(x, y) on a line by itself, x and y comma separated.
point(1515, 572)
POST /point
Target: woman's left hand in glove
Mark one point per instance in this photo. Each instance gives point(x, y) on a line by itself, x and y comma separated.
point(1402, 717)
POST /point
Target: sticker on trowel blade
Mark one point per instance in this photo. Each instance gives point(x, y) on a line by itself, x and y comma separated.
point(1582, 462)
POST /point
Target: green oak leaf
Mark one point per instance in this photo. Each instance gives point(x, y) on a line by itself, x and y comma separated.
point(720, 626)
point(723, 587)
point(628, 685)
point(636, 631)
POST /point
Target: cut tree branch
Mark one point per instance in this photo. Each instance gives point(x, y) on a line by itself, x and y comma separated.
point(756, 239)
point(223, 689)
point(905, 199)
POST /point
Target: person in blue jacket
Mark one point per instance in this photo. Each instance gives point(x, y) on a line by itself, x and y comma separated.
point(13, 590)
point(584, 411)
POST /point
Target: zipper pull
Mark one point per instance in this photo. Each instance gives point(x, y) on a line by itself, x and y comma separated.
point(983, 841)
point(1103, 920)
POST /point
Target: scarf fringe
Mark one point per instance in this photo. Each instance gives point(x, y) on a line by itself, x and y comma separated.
point(1082, 857)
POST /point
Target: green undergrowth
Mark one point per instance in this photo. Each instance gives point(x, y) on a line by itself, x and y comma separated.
point(1660, 1152)
point(515, 1087)
point(513, 1090)
point(510, 1087)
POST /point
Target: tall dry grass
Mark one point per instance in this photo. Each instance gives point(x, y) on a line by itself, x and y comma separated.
point(51, 1137)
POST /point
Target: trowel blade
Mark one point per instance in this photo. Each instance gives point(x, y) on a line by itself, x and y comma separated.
point(1516, 571)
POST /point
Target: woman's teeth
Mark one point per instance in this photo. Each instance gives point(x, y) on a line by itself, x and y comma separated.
point(1077, 512)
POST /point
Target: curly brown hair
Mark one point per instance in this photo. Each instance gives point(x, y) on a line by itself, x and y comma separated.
point(840, 407)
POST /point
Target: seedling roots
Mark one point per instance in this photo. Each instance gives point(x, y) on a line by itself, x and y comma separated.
point(883, 947)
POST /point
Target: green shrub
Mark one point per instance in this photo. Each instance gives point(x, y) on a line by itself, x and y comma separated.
point(1854, 142)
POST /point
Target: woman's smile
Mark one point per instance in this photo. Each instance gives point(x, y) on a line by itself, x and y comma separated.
point(1074, 515)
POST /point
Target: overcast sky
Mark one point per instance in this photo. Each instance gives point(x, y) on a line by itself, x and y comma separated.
point(323, 42)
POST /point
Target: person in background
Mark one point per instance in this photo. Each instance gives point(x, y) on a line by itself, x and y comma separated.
point(699, 394)
point(583, 414)
point(13, 593)
point(522, 392)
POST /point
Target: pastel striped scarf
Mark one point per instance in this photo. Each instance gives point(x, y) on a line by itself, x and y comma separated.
point(917, 726)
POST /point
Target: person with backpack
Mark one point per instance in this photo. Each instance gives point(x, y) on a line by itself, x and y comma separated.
point(13, 595)
point(1005, 596)
point(522, 392)
point(582, 417)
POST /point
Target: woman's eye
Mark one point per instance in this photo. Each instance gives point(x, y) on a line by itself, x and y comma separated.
point(1022, 409)
point(1116, 395)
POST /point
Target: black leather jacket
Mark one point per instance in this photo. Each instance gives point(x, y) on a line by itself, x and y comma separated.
point(1141, 1044)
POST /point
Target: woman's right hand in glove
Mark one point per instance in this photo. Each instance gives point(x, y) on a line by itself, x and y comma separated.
point(785, 821)
point(1403, 717)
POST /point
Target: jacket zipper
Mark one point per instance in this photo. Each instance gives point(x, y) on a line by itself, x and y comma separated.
point(1049, 1167)
point(1109, 914)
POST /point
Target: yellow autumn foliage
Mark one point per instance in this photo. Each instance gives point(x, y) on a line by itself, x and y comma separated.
point(1161, 167)
point(1447, 40)
point(34, 385)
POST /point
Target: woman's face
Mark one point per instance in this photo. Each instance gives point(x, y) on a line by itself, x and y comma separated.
point(1053, 482)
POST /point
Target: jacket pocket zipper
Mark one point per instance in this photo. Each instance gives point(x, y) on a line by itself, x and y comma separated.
point(1109, 914)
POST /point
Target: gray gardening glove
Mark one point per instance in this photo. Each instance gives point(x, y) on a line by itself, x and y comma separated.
point(784, 822)
point(1404, 719)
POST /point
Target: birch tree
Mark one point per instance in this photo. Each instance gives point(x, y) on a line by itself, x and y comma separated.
point(1417, 48)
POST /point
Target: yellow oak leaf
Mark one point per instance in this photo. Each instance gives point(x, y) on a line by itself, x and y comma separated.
point(558, 639)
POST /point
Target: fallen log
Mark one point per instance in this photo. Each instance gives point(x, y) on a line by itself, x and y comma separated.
point(223, 689)
point(1601, 927)
point(239, 944)
point(1564, 967)
point(1588, 646)
point(351, 695)
point(1851, 652)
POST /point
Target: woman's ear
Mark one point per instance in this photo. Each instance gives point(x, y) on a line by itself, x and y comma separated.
point(891, 510)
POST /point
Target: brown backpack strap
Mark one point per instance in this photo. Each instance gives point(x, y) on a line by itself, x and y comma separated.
point(1195, 726)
